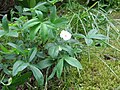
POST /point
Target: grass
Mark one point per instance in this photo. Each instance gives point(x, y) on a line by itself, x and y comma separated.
point(102, 72)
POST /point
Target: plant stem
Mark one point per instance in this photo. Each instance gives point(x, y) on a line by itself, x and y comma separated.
point(64, 75)
point(88, 53)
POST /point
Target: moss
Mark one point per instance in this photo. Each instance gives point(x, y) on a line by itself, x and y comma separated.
point(94, 76)
point(116, 15)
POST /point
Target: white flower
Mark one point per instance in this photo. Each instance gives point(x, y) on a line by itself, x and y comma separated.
point(65, 35)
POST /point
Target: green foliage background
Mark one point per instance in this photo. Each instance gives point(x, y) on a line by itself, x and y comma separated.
point(32, 53)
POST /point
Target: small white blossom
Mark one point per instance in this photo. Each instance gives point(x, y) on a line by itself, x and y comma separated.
point(29, 49)
point(65, 35)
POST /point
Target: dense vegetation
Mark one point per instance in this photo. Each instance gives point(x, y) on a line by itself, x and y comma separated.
point(59, 45)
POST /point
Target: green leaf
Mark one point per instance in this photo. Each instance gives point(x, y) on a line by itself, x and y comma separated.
point(19, 66)
point(32, 3)
point(19, 9)
point(5, 23)
point(60, 21)
point(2, 32)
point(16, 47)
point(44, 32)
point(37, 74)
point(88, 41)
point(59, 68)
point(33, 54)
point(79, 35)
point(41, 54)
point(92, 32)
point(39, 14)
point(48, 45)
point(44, 64)
point(31, 23)
point(99, 36)
point(13, 45)
point(10, 56)
point(73, 62)
point(3, 48)
point(68, 49)
point(34, 31)
point(18, 80)
point(12, 34)
point(39, 5)
point(53, 51)
point(26, 9)
point(53, 73)
point(6, 71)
point(52, 33)
point(53, 14)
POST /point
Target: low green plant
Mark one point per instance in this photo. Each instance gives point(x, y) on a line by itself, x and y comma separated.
point(41, 44)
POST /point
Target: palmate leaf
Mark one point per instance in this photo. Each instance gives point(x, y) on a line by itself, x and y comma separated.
point(37, 74)
point(79, 35)
point(5, 23)
point(19, 66)
point(33, 54)
point(59, 68)
point(44, 63)
point(39, 5)
point(52, 74)
point(60, 21)
point(26, 9)
point(44, 32)
point(16, 47)
point(39, 14)
point(68, 49)
point(92, 32)
point(2, 32)
point(34, 31)
point(99, 36)
point(53, 51)
point(73, 62)
point(12, 34)
point(53, 14)
point(31, 23)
